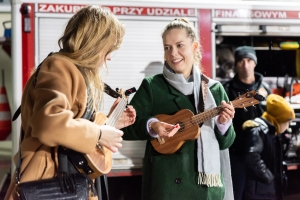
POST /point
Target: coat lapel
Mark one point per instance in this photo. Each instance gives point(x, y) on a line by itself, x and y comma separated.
point(180, 99)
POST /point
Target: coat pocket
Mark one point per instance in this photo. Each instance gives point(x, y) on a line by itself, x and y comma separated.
point(167, 174)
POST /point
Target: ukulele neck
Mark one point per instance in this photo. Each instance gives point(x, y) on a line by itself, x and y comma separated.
point(117, 112)
point(198, 119)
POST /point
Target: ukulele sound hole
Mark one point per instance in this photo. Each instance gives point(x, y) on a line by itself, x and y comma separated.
point(182, 126)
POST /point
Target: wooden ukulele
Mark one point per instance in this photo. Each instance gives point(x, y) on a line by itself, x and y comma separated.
point(189, 123)
point(99, 162)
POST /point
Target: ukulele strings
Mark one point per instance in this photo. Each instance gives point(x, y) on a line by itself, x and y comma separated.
point(199, 118)
point(117, 112)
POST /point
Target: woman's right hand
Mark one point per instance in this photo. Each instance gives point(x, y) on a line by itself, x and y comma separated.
point(111, 138)
point(164, 129)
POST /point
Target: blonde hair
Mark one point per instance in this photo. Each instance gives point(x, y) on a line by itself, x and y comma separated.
point(182, 23)
point(92, 33)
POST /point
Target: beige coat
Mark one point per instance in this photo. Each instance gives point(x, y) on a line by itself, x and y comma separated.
point(50, 117)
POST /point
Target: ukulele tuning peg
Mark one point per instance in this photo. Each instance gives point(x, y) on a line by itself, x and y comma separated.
point(239, 95)
point(245, 109)
point(161, 140)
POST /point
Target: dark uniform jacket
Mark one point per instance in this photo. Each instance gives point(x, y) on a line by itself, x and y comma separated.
point(263, 157)
point(234, 88)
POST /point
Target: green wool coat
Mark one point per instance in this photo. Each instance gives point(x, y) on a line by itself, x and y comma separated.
point(172, 176)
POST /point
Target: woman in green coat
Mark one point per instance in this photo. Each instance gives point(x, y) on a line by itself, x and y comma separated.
point(199, 168)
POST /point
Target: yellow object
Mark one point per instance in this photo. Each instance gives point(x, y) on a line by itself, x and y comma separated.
point(279, 108)
point(249, 124)
point(289, 45)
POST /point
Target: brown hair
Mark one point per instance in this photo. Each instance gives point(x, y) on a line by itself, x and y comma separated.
point(92, 33)
point(183, 23)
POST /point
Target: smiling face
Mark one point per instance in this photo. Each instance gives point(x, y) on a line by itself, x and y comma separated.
point(179, 50)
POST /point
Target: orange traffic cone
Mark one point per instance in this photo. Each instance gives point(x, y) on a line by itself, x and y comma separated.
point(5, 114)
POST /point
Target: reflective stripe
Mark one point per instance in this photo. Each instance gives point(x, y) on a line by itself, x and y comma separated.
point(4, 115)
point(3, 98)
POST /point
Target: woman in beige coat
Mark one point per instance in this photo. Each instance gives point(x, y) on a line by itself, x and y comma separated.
point(53, 106)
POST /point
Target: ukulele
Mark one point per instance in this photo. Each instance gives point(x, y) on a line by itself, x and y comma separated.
point(99, 162)
point(189, 123)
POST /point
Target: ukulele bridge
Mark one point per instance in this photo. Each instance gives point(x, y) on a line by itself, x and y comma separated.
point(160, 140)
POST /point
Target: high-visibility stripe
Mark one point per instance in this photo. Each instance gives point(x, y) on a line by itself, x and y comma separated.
point(3, 98)
point(5, 115)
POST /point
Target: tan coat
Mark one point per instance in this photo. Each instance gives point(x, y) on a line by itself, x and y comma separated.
point(50, 117)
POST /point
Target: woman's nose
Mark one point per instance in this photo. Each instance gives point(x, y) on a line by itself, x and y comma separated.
point(174, 52)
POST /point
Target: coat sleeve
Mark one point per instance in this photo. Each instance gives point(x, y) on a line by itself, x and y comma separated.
point(59, 97)
point(142, 102)
point(253, 148)
point(226, 140)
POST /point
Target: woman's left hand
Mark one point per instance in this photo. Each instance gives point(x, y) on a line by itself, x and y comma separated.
point(227, 113)
point(127, 117)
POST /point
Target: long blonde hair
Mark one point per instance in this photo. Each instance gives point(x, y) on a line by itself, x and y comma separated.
point(182, 23)
point(92, 33)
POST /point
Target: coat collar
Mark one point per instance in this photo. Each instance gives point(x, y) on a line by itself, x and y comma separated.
point(180, 99)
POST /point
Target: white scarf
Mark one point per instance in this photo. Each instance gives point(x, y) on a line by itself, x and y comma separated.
point(208, 153)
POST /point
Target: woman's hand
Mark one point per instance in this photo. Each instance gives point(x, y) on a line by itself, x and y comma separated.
point(111, 138)
point(127, 117)
point(227, 113)
point(164, 129)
